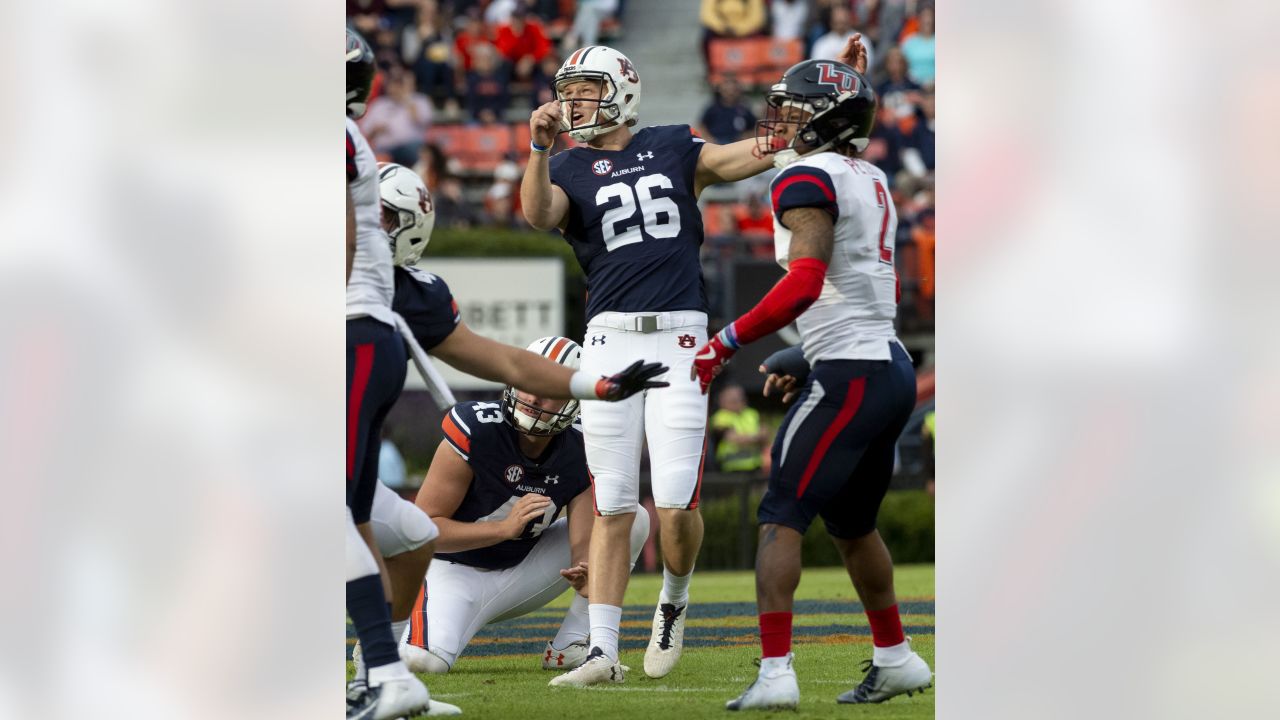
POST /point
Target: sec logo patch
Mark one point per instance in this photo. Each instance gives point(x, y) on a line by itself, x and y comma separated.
point(515, 474)
point(601, 167)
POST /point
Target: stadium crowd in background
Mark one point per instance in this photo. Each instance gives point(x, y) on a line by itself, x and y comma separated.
point(459, 78)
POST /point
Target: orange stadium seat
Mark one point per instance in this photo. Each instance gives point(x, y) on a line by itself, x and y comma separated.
point(478, 149)
point(754, 61)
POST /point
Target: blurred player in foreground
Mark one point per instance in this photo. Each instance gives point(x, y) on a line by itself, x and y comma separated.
point(498, 482)
point(833, 455)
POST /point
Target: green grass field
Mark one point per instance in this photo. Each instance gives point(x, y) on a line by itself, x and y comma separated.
point(500, 674)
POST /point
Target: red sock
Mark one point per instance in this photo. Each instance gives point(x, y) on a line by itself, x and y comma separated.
point(886, 626)
point(775, 634)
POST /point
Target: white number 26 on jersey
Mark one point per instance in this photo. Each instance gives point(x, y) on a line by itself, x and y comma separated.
point(652, 211)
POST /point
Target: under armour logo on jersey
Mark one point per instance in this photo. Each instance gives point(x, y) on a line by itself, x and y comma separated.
point(687, 341)
point(644, 155)
point(843, 80)
point(553, 479)
point(514, 474)
point(597, 339)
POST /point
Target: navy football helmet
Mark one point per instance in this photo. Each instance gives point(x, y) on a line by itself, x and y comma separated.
point(817, 105)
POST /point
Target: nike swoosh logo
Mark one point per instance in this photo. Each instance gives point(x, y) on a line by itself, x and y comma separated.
point(708, 354)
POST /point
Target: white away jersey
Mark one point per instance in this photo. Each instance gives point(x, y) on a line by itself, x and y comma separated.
point(853, 317)
point(370, 290)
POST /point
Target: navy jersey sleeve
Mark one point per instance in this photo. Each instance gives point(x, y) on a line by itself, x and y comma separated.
point(558, 169)
point(471, 426)
point(424, 301)
point(803, 186)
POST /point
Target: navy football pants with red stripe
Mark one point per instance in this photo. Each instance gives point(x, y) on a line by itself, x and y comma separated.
point(376, 365)
point(833, 455)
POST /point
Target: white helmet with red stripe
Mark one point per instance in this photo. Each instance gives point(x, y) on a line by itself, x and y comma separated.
point(619, 98)
point(408, 214)
point(538, 416)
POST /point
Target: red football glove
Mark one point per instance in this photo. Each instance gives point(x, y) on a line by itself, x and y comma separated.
point(711, 359)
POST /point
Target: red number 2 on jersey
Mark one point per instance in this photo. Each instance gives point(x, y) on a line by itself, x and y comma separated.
point(882, 200)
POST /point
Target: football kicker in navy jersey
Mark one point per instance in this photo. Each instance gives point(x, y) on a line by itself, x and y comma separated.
point(634, 222)
point(502, 474)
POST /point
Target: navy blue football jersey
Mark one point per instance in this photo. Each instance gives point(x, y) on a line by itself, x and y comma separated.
point(425, 303)
point(501, 474)
point(634, 222)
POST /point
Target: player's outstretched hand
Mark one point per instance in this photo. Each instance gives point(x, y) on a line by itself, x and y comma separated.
point(854, 54)
point(544, 124)
point(636, 378)
point(710, 362)
point(786, 370)
point(785, 384)
point(577, 577)
point(528, 507)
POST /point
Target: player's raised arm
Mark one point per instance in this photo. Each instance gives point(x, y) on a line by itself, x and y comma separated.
point(545, 206)
point(729, 163)
point(538, 375)
point(812, 238)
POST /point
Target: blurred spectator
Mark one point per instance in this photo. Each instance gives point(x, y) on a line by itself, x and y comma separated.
point(730, 19)
point(918, 49)
point(543, 76)
point(523, 42)
point(789, 18)
point(754, 224)
point(365, 15)
point(397, 122)
point(740, 437)
point(391, 471)
point(922, 236)
point(502, 199)
point(916, 131)
point(487, 96)
point(898, 93)
point(499, 12)
point(728, 118)
point(929, 431)
point(430, 166)
point(428, 51)
point(473, 31)
point(828, 46)
point(452, 209)
point(586, 23)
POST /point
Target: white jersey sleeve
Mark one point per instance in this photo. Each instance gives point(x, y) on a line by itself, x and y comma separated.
point(372, 285)
point(853, 317)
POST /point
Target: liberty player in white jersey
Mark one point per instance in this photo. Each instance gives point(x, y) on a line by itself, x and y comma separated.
point(833, 455)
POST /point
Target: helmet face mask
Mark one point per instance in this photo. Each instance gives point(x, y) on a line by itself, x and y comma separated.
point(600, 113)
point(529, 418)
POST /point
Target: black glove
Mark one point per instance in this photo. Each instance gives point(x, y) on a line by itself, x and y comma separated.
point(633, 380)
point(788, 362)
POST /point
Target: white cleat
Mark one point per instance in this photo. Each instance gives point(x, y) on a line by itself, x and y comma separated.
point(399, 698)
point(882, 683)
point(570, 658)
point(667, 640)
point(419, 660)
point(440, 709)
point(775, 688)
point(596, 670)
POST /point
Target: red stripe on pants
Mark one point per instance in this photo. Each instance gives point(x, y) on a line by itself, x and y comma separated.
point(359, 383)
point(852, 400)
point(418, 619)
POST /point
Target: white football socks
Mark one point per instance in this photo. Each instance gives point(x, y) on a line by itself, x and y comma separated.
point(383, 673)
point(675, 588)
point(605, 620)
point(891, 656)
point(397, 630)
point(576, 625)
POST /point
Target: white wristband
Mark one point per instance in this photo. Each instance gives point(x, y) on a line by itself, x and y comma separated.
point(582, 386)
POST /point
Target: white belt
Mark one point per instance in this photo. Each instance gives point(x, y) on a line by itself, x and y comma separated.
point(649, 322)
